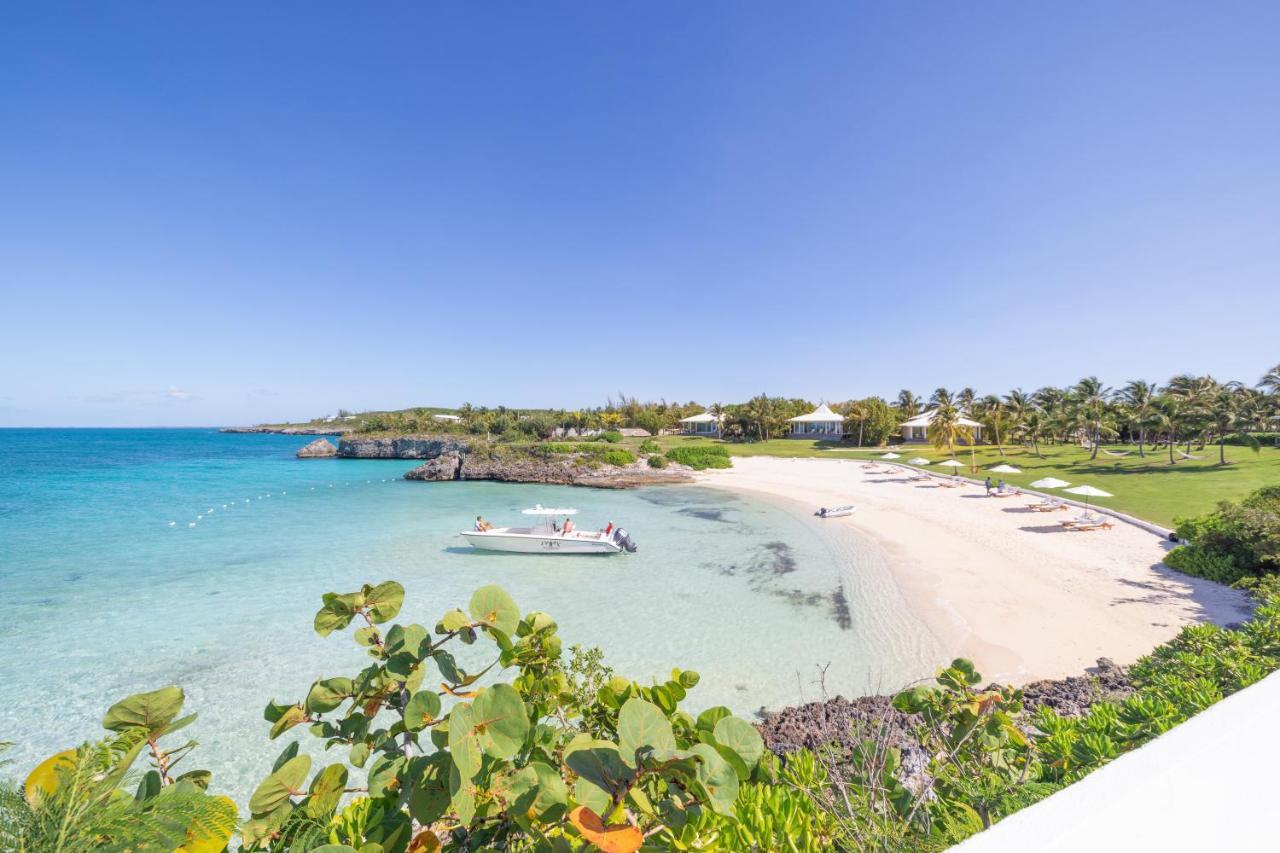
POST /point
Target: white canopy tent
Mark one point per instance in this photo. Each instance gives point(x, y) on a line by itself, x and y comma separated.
point(703, 424)
point(820, 423)
point(917, 428)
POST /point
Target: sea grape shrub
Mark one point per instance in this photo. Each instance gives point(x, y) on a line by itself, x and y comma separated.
point(701, 456)
point(538, 763)
point(978, 755)
point(612, 437)
point(1235, 541)
point(650, 446)
point(658, 462)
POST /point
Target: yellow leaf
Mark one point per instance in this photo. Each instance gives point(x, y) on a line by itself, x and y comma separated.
point(425, 841)
point(623, 838)
point(43, 781)
point(468, 694)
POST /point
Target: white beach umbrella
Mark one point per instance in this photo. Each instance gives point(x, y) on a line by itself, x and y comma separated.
point(951, 463)
point(919, 460)
point(1049, 483)
point(890, 455)
point(1088, 492)
point(1002, 468)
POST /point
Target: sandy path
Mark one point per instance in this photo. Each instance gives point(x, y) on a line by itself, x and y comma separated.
point(996, 582)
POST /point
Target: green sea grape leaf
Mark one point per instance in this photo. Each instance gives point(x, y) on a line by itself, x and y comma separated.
point(538, 790)
point(462, 795)
point(718, 777)
point(454, 620)
point(492, 606)
point(429, 799)
point(383, 601)
point(742, 738)
point(334, 848)
point(326, 791)
point(464, 746)
point(422, 710)
point(598, 762)
point(708, 719)
point(290, 718)
point(367, 636)
point(587, 793)
point(199, 778)
point(499, 717)
point(150, 711)
point(285, 754)
point(334, 614)
point(359, 754)
point(280, 786)
point(409, 639)
point(328, 693)
point(641, 724)
point(384, 775)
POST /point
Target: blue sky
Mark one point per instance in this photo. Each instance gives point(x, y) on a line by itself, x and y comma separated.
point(227, 213)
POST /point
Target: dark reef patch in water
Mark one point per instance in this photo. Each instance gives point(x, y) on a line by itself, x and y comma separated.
point(704, 514)
point(840, 609)
point(764, 571)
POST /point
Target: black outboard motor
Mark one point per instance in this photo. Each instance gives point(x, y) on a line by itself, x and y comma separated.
point(623, 541)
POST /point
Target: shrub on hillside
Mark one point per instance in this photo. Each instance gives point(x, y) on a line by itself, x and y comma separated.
point(1246, 533)
point(699, 457)
point(612, 436)
point(1194, 560)
point(618, 457)
point(650, 446)
point(657, 462)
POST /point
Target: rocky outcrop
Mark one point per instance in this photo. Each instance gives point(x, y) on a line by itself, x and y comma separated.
point(843, 723)
point(450, 458)
point(289, 430)
point(319, 449)
point(401, 447)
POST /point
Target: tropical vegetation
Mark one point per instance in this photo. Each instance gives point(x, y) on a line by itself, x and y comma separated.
point(566, 755)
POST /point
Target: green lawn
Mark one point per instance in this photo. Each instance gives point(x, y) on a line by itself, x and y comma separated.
point(1149, 488)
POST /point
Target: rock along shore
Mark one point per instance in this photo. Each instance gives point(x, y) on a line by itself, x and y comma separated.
point(845, 723)
point(454, 458)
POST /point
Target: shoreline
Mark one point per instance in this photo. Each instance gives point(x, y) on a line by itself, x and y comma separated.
point(995, 582)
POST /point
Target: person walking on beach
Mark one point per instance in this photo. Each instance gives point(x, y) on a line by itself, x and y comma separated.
point(988, 487)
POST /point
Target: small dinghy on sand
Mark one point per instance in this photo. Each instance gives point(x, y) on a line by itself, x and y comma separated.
point(836, 511)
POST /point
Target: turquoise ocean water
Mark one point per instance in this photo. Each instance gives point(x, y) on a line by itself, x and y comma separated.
point(102, 597)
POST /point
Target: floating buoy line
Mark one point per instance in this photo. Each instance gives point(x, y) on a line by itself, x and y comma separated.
point(208, 513)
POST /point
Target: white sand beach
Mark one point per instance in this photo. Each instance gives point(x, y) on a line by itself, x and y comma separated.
point(996, 582)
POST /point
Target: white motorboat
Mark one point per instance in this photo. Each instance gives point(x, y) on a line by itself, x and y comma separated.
point(543, 537)
point(836, 511)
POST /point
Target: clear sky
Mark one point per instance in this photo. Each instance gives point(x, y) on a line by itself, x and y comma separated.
point(235, 212)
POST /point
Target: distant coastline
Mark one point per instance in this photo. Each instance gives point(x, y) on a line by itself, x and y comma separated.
point(289, 430)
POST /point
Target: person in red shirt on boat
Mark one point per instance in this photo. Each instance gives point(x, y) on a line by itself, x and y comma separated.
point(568, 526)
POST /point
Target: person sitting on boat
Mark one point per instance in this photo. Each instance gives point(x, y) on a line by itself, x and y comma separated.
point(568, 526)
point(608, 528)
point(482, 526)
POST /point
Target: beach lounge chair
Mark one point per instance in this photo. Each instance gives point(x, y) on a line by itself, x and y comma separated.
point(1006, 493)
point(921, 477)
point(950, 483)
point(1084, 519)
point(1051, 505)
point(1096, 524)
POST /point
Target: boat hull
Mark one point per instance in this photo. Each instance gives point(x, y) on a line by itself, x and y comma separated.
point(524, 543)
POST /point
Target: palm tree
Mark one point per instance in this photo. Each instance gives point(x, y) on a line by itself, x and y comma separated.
point(1031, 427)
point(965, 399)
point(1138, 396)
point(1229, 415)
point(941, 397)
point(907, 404)
point(992, 412)
point(945, 429)
point(1271, 381)
point(858, 411)
point(1090, 397)
point(1166, 419)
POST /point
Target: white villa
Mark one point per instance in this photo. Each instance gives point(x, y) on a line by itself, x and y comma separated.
point(449, 418)
point(917, 429)
point(820, 423)
point(703, 424)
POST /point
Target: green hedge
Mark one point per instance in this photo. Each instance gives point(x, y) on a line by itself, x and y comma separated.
point(612, 437)
point(618, 457)
point(1235, 541)
point(701, 457)
point(1195, 560)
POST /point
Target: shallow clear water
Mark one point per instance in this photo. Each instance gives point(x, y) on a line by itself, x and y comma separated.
point(101, 597)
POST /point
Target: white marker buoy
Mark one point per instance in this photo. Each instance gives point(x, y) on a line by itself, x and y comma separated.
point(191, 524)
point(172, 523)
